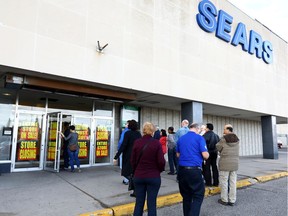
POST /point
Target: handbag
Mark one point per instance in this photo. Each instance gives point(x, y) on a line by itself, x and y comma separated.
point(73, 147)
point(131, 185)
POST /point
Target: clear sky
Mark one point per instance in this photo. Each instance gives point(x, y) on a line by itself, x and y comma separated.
point(271, 13)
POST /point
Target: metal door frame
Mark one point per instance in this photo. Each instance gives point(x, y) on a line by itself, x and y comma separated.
point(15, 136)
point(57, 153)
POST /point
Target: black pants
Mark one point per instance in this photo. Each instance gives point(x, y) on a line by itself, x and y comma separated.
point(192, 189)
point(211, 162)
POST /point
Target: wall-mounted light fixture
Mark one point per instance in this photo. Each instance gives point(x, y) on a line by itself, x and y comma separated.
point(14, 81)
point(99, 48)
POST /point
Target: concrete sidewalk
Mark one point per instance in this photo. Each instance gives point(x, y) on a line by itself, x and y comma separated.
point(99, 190)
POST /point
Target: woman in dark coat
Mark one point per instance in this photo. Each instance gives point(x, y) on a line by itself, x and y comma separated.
point(126, 149)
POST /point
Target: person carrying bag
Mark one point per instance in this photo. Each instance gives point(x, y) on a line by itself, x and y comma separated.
point(131, 181)
point(147, 162)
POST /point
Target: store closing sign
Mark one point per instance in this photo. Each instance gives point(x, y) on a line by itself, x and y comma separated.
point(206, 19)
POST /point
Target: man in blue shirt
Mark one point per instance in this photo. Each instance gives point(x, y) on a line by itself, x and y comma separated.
point(191, 150)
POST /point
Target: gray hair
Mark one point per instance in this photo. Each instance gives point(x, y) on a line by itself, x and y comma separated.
point(195, 125)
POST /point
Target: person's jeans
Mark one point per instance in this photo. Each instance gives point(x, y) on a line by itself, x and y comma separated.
point(211, 162)
point(192, 189)
point(173, 160)
point(73, 155)
point(228, 192)
point(150, 186)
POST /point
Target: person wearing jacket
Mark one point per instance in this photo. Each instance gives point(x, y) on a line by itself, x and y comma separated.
point(211, 140)
point(163, 140)
point(172, 158)
point(228, 148)
point(72, 139)
point(125, 180)
point(147, 170)
point(126, 149)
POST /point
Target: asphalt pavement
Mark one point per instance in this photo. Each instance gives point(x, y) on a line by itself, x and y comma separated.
point(100, 191)
point(265, 199)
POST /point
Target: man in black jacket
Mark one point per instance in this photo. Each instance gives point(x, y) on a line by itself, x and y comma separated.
point(211, 140)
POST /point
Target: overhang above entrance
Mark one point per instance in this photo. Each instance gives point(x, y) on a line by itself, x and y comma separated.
point(71, 88)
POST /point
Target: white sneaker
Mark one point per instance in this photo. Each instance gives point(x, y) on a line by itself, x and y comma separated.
point(79, 170)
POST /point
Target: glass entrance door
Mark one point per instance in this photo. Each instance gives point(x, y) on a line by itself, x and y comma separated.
point(54, 157)
point(27, 141)
point(103, 137)
point(53, 142)
point(83, 126)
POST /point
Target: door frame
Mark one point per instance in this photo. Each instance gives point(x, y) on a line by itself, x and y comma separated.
point(15, 136)
point(57, 151)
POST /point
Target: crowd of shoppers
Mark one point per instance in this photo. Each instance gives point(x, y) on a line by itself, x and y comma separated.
point(193, 152)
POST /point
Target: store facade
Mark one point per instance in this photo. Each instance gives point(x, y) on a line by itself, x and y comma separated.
point(206, 61)
point(30, 140)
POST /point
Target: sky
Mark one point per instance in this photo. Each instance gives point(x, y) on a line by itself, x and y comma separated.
point(271, 13)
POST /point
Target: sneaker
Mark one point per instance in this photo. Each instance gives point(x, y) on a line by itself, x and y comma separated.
point(171, 173)
point(231, 204)
point(222, 202)
point(125, 183)
point(73, 170)
point(79, 170)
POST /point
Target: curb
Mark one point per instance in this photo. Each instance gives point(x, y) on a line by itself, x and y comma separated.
point(168, 200)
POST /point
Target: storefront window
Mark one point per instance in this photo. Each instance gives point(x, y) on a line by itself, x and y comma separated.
point(28, 140)
point(103, 140)
point(83, 128)
point(6, 130)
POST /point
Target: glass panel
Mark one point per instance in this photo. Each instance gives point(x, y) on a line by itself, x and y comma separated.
point(103, 109)
point(51, 158)
point(83, 128)
point(103, 140)
point(28, 140)
point(66, 120)
point(6, 130)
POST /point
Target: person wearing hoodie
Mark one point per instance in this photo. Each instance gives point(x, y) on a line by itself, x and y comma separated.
point(228, 147)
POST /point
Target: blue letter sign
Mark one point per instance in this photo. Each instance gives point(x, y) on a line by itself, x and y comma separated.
point(206, 19)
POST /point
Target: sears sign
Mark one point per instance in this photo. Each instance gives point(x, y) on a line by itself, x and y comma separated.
point(211, 20)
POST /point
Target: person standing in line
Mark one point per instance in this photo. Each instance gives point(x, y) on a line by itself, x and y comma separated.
point(191, 150)
point(126, 148)
point(180, 132)
point(172, 158)
point(163, 141)
point(183, 130)
point(228, 148)
point(72, 139)
point(147, 179)
point(211, 140)
point(202, 130)
point(125, 180)
point(65, 144)
point(157, 134)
